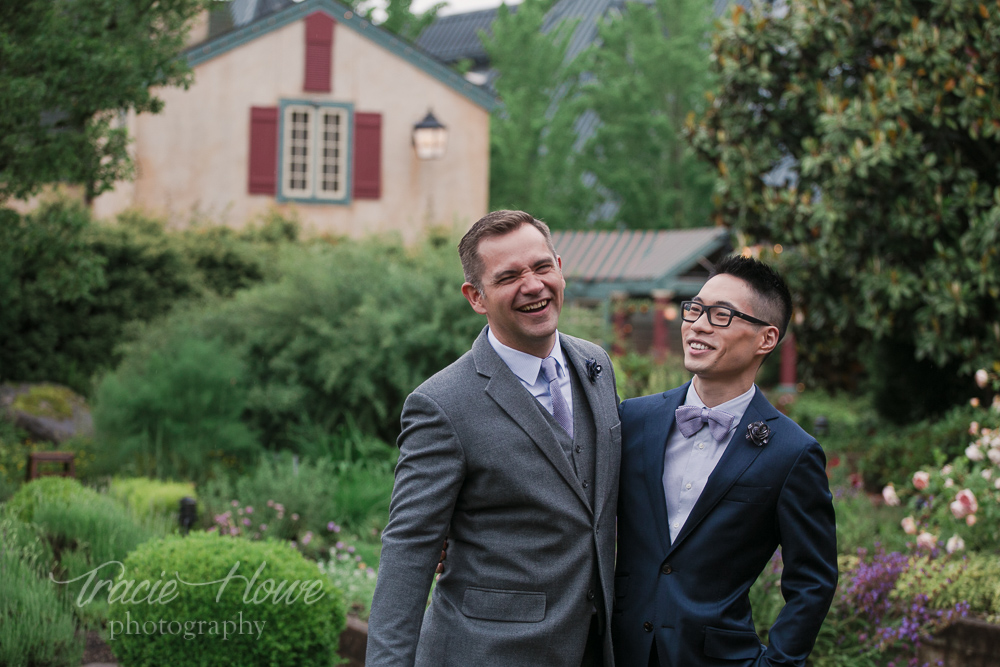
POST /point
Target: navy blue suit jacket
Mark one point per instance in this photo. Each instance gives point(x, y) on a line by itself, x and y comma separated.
point(690, 597)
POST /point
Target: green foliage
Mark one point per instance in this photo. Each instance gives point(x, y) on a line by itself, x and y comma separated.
point(311, 496)
point(864, 525)
point(533, 164)
point(640, 375)
point(47, 491)
point(648, 73)
point(46, 400)
point(171, 413)
point(37, 628)
point(14, 451)
point(70, 286)
point(151, 497)
point(400, 18)
point(349, 573)
point(345, 335)
point(301, 630)
point(889, 113)
point(60, 112)
point(972, 578)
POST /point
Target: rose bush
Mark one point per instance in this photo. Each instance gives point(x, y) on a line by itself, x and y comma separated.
point(958, 504)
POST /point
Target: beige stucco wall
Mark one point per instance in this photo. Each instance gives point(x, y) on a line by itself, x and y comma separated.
point(191, 159)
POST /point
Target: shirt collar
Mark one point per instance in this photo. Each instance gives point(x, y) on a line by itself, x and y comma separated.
point(526, 366)
point(736, 406)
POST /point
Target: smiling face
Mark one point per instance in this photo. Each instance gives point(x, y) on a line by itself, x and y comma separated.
point(725, 360)
point(522, 290)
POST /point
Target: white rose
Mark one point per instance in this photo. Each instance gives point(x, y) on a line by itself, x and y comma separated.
point(974, 453)
point(909, 525)
point(987, 474)
point(889, 495)
point(994, 456)
point(946, 470)
point(948, 483)
point(982, 378)
point(970, 520)
point(973, 427)
point(926, 540)
point(955, 543)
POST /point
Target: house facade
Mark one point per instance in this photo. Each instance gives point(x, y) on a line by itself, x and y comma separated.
point(309, 110)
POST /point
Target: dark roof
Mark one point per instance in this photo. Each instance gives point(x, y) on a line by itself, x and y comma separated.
point(598, 263)
point(456, 37)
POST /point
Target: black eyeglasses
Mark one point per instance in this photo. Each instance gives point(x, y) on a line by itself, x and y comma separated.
point(718, 316)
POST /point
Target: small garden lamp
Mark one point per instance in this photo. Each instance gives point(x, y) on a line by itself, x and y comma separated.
point(188, 514)
point(430, 138)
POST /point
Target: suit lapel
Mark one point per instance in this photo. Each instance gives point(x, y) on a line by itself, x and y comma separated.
point(656, 430)
point(740, 453)
point(507, 391)
point(602, 423)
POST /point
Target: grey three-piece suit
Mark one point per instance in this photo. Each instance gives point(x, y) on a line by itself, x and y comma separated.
point(529, 513)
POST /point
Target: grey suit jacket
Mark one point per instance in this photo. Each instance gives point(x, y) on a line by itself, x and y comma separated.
point(479, 463)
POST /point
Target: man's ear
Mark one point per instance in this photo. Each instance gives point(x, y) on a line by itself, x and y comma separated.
point(474, 297)
point(769, 341)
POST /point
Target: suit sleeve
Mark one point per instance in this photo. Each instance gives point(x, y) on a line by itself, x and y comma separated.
point(809, 552)
point(429, 474)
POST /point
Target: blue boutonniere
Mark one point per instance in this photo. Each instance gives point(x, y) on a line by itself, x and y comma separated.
point(758, 433)
point(593, 369)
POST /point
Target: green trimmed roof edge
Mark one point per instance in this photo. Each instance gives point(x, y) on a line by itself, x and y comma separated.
point(205, 51)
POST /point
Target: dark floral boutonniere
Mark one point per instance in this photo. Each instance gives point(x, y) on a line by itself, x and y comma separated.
point(758, 433)
point(593, 369)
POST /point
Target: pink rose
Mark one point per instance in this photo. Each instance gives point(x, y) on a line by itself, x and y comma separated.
point(889, 495)
point(955, 543)
point(964, 504)
point(926, 540)
point(994, 456)
point(982, 378)
point(974, 426)
point(970, 520)
point(909, 525)
point(974, 453)
point(921, 479)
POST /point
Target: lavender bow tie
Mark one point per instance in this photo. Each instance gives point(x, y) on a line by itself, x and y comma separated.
point(690, 419)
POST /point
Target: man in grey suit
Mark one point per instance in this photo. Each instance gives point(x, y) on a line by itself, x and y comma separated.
point(512, 453)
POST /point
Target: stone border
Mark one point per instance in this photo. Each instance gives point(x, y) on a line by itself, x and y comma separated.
point(968, 642)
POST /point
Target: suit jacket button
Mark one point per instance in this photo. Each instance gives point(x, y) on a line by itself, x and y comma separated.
point(647, 626)
point(666, 569)
point(590, 594)
point(586, 484)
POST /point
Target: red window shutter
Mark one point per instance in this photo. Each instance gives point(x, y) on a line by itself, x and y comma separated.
point(263, 172)
point(319, 52)
point(367, 156)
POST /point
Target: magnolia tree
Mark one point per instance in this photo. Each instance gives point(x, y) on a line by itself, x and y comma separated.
point(959, 503)
point(886, 117)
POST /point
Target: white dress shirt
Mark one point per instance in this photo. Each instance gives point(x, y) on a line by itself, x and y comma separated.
point(687, 462)
point(528, 369)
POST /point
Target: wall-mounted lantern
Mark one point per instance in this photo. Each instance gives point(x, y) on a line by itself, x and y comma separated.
point(430, 138)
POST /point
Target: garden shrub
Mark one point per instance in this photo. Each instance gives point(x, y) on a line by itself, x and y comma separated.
point(151, 497)
point(171, 413)
point(973, 579)
point(37, 626)
point(639, 375)
point(292, 499)
point(48, 491)
point(298, 630)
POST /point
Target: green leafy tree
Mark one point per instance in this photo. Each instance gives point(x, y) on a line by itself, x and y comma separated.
point(401, 20)
point(649, 71)
point(533, 165)
point(68, 71)
point(891, 114)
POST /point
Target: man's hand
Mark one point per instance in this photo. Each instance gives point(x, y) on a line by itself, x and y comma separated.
point(444, 555)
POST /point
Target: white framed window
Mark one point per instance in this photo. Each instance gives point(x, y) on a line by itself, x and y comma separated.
point(315, 153)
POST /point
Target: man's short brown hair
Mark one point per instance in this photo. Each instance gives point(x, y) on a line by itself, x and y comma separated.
point(496, 223)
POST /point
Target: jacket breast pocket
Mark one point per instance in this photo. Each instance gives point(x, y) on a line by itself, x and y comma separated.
point(490, 604)
point(732, 644)
point(755, 495)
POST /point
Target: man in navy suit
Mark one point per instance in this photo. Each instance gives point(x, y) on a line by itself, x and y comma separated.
point(713, 480)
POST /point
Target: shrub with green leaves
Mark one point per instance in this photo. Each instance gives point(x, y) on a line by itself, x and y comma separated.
point(267, 605)
point(47, 491)
point(173, 412)
point(151, 497)
point(37, 626)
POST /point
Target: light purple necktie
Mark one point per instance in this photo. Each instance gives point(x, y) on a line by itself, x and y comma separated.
point(690, 419)
point(559, 408)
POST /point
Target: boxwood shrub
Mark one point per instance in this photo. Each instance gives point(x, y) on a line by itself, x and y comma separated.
point(288, 614)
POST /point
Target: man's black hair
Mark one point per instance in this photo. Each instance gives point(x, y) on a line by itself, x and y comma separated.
point(774, 302)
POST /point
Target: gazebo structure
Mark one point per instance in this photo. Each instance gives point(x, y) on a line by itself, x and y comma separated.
point(666, 266)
